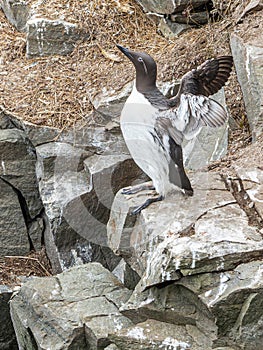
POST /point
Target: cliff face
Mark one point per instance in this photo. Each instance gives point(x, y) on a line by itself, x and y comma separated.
point(184, 274)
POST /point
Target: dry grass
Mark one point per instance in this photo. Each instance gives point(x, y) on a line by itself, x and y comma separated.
point(34, 264)
point(56, 91)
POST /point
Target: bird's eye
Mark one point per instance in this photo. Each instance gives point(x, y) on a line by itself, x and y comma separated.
point(140, 59)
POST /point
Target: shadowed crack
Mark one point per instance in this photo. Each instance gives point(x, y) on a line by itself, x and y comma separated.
point(24, 209)
point(236, 187)
point(190, 230)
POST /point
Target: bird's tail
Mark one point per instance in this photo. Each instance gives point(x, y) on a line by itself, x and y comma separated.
point(177, 174)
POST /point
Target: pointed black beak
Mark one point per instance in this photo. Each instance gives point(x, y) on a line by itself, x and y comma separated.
point(125, 51)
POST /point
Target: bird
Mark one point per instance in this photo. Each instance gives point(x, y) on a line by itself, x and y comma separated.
point(154, 126)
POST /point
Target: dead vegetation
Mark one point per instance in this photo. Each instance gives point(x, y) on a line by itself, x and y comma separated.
point(56, 91)
point(34, 264)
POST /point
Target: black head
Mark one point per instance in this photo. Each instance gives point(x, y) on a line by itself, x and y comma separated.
point(146, 69)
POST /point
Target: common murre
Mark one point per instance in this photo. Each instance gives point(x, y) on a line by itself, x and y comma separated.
point(154, 126)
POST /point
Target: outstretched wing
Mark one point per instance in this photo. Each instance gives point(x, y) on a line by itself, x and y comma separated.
point(191, 108)
point(208, 78)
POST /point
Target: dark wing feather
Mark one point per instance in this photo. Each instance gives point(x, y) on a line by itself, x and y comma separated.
point(208, 78)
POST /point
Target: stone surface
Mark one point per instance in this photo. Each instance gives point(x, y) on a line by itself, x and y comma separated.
point(35, 133)
point(130, 236)
point(196, 18)
point(168, 7)
point(14, 239)
point(17, 12)
point(20, 199)
point(77, 193)
point(126, 275)
point(7, 333)
point(248, 60)
point(112, 347)
point(200, 258)
point(252, 6)
point(209, 145)
point(74, 310)
point(51, 37)
point(171, 30)
point(18, 161)
point(234, 298)
point(172, 303)
point(153, 334)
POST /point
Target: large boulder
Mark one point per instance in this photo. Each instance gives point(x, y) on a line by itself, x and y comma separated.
point(14, 235)
point(21, 213)
point(155, 335)
point(168, 7)
point(7, 333)
point(200, 258)
point(51, 37)
point(74, 310)
point(248, 59)
point(77, 190)
point(17, 12)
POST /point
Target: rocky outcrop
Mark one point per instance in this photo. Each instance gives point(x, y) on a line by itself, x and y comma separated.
point(21, 205)
point(199, 258)
point(77, 309)
point(17, 12)
point(248, 58)
point(170, 6)
point(44, 36)
point(51, 37)
point(7, 333)
point(175, 17)
point(155, 335)
point(77, 190)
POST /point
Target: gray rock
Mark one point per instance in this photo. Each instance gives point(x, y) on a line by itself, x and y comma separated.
point(196, 18)
point(17, 12)
point(209, 145)
point(252, 178)
point(209, 249)
point(153, 334)
point(21, 204)
point(8, 121)
point(133, 237)
point(14, 239)
point(168, 7)
point(234, 297)
point(35, 230)
point(248, 58)
point(174, 304)
point(110, 103)
point(74, 310)
point(171, 30)
point(95, 139)
point(51, 37)
point(36, 134)
point(18, 161)
point(77, 193)
point(126, 274)
point(252, 6)
point(112, 347)
point(7, 333)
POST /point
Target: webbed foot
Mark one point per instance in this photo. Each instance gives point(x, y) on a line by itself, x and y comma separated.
point(149, 201)
point(136, 189)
